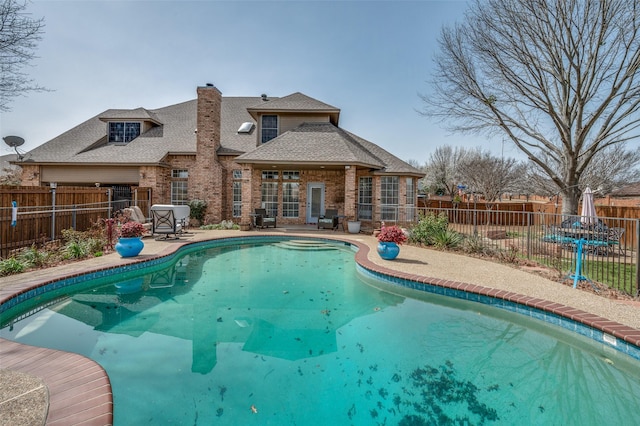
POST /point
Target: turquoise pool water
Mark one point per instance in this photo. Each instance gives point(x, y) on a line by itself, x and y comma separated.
point(271, 334)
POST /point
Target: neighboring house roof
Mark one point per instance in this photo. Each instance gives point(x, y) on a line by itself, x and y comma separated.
point(175, 133)
point(631, 190)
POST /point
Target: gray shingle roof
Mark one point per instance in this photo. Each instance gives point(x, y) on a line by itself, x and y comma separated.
point(294, 102)
point(630, 190)
point(325, 144)
point(86, 143)
point(129, 114)
point(312, 143)
point(321, 143)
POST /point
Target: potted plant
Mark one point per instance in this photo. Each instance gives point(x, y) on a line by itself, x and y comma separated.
point(130, 240)
point(389, 240)
point(353, 226)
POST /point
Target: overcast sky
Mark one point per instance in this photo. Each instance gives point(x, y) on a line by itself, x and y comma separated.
point(371, 59)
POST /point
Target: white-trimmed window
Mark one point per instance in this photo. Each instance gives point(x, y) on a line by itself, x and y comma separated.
point(179, 186)
point(411, 200)
point(365, 198)
point(269, 191)
point(290, 175)
point(237, 193)
point(270, 198)
point(269, 127)
point(123, 132)
point(269, 175)
point(389, 198)
point(290, 199)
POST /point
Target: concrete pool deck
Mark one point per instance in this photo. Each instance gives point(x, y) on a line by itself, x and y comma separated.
point(42, 386)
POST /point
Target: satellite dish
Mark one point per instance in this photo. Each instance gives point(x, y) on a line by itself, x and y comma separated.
point(13, 141)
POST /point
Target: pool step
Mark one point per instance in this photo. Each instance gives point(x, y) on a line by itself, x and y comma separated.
point(305, 245)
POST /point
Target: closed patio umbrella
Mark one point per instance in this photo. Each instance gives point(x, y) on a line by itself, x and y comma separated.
point(588, 215)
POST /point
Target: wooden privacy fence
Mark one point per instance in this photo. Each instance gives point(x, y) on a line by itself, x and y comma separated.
point(44, 212)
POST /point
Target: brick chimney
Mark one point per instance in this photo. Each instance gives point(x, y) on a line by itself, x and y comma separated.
point(206, 176)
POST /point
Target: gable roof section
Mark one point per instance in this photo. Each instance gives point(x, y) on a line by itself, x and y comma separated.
point(325, 144)
point(86, 143)
point(138, 114)
point(293, 103)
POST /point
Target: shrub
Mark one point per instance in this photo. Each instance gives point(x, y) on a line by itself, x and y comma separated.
point(77, 245)
point(225, 224)
point(427, 227)
point(75, 250)
point(11, 266)
point(198, 209)
point(475, 244)
point(32, 256)
point(510, 255)
point(447, 239)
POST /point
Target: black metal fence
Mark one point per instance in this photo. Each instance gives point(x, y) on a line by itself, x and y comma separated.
point(605, 252)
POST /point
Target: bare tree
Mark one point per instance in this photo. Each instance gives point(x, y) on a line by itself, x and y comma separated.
point(612, 169)
point(487, 175)
point(11, 176)
point(443, 171)
point(19, 34)
point(609, 170)
point(558, 78)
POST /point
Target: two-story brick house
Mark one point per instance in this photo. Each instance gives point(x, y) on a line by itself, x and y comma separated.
point(287, 154)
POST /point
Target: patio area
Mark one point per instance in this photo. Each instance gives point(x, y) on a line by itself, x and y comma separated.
point(50, 392)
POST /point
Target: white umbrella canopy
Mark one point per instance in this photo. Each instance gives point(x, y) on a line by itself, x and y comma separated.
point(588, 215)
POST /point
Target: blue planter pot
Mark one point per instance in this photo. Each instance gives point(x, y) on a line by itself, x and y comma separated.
point(388, 250)
point(129, 247)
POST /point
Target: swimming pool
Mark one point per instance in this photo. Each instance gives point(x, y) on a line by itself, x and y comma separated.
point(301, 336)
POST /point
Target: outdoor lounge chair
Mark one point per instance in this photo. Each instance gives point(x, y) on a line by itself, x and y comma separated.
point(182, 214)
point(263, 220)
point(329, 220)
point(165, 221)
point(134, 213)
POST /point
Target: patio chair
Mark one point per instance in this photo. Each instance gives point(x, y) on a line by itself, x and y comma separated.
point(136, 215)
point(329, 220)
point(182, 213)
point(164, 221)
point(613, 238)
point(263, 220)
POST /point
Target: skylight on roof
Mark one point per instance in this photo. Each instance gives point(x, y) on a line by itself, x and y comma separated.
point(246, 127)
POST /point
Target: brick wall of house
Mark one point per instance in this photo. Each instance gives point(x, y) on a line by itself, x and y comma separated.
point(228, 166)
point(151, 177)
point(350, 193)
point(334, 181)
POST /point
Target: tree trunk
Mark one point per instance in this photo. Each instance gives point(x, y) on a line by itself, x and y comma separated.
point(570, 201)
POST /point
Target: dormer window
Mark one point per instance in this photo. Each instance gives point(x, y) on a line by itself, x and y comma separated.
point(269, 127)
point(123, 132)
